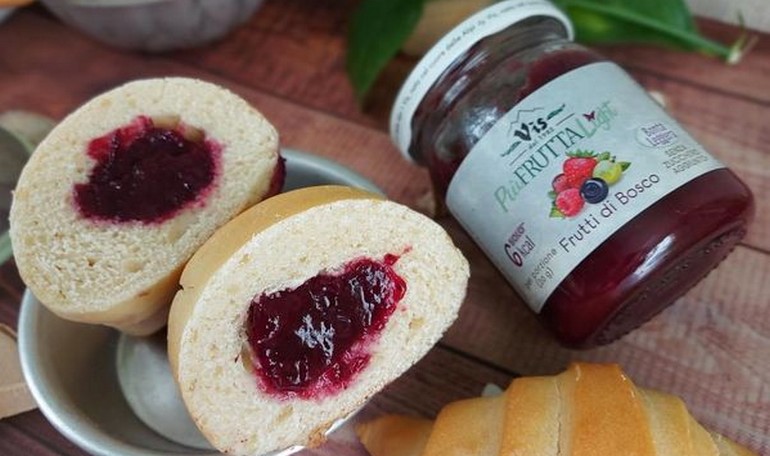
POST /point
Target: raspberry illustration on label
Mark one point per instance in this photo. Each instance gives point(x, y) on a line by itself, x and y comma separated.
point(586, 178)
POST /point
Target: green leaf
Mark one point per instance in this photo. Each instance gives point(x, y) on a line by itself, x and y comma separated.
point(555, 212)
point(603, 156)
point(624, 165)
point(578, 153)
point(378, 30)
point(552, 194)
point(663, 22)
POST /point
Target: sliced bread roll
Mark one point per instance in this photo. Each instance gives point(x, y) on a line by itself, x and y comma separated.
point(120, 194)
point(296, 312)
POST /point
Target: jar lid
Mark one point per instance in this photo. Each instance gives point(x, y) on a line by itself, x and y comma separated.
point(454, 44)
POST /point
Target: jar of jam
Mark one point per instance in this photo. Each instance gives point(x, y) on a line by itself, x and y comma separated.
point(597, 207)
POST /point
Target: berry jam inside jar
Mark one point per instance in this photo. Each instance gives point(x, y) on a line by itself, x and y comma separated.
point(596, 206)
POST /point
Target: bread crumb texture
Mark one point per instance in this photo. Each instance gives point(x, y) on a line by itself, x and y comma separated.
point(224, 396)
point(100, 272)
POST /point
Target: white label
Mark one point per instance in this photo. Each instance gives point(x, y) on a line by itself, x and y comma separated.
point(522, 192)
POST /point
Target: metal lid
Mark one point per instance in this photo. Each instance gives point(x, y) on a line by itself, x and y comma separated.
point(454, 44)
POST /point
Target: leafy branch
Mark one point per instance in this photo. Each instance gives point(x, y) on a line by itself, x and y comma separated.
point(379, 28)
point(663, 22)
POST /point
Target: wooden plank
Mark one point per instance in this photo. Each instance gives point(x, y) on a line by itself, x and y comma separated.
point(11, 288)
point(717, 334)
point(281, 54)
point(732, 129)
point(295, 49)
point(751, 13)
point(710, 348)
point(748, 79)
point(24, 74)
point(29, 434)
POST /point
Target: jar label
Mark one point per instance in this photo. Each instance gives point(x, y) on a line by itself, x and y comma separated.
point(566, 168)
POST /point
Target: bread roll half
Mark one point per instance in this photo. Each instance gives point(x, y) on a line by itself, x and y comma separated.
point(278, 246)
point(99, 235)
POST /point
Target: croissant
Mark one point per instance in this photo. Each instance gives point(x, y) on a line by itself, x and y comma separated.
point(588, 410)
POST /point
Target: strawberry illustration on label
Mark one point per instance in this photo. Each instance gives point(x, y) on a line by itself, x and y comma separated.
point(586, 178)
point(579, 167)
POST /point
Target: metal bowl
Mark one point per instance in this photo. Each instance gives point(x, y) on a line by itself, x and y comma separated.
point(113, 394)
point(153, 25)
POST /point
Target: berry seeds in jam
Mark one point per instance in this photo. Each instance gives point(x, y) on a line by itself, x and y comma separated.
point(147, 173)
point(311, 341)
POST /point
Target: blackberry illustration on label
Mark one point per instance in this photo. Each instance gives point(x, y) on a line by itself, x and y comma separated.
point(586, 178)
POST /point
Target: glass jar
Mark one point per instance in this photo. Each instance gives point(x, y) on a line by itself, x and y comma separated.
point(598, 208)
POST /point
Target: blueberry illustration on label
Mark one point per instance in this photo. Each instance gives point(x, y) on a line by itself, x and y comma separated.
point(594, 190)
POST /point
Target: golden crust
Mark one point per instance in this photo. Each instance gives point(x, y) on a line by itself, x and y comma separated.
point(596, 410)
point(230, 237)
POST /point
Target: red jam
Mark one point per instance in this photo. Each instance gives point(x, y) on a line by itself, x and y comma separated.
point(646, 264)
point(443, 161)
point(311, 341)
point(146, 173)
point(279, 178)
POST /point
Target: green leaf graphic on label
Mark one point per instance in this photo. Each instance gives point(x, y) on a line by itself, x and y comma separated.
point(603, 156)
point(555, 212)
point(624, 165)
point(555, 112)
point(552, 194)
point(511, 149)
point(582, 154)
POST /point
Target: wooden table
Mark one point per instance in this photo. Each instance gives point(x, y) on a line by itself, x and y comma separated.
point(712, 348)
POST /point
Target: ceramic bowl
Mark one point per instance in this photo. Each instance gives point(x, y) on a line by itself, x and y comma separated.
point(113, 394)
point(153, 25)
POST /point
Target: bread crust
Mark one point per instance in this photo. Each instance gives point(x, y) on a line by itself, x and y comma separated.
point(226, 250)
point(124, 274)
point(228, 239)
point(590, 409)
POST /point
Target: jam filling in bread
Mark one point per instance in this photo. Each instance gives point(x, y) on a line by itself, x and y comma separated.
point(122, 192)
point(312, 340)
point(147, 171)
point(297, 311)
